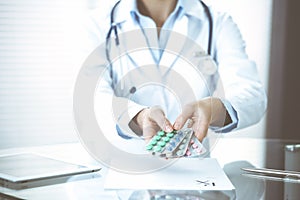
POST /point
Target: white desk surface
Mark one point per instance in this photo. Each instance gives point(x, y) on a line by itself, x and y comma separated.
point(90, 186)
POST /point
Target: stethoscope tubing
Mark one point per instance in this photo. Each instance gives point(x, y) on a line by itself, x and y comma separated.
point(114, 28)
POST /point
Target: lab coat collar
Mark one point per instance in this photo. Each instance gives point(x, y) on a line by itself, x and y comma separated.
point(190, 7)
point(124, 10)
point(193, 8)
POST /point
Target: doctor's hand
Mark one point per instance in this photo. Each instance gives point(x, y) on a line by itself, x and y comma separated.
point(150, 120)
point(202, 114)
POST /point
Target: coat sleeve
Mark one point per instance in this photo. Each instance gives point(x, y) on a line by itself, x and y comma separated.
point(238, 75)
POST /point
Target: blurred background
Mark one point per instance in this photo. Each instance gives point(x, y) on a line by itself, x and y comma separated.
point(39, 64)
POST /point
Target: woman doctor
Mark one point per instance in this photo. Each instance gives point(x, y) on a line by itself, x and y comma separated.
point(152, 108)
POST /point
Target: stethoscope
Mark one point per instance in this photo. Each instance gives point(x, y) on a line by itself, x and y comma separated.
point(114, 28)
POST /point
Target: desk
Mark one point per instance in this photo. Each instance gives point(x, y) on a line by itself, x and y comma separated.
point(232, 153)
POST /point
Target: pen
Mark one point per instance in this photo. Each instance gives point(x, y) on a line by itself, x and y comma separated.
point(274, 172)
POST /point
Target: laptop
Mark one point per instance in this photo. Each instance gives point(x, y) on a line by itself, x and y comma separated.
point(27, 167)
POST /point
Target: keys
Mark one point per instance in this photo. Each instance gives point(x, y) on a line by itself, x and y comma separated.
point(181, 143)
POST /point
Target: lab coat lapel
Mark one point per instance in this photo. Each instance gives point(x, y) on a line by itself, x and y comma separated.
point(135, 44)
point(176, 41)
point(134, 53)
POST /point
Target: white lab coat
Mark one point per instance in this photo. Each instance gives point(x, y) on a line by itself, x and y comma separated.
point(240, 88)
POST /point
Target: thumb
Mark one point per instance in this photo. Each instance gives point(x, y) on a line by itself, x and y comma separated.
point(157, 115)
point(186, 114)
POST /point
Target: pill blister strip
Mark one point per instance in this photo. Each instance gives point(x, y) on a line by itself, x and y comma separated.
point(195, 149)
point(181, 143)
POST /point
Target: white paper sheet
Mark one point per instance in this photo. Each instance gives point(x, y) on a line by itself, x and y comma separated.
point(184, 174)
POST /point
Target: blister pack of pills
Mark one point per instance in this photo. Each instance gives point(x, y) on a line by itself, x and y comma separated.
point(181, 143)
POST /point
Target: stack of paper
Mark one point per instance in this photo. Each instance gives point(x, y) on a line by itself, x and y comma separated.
point(184, 174)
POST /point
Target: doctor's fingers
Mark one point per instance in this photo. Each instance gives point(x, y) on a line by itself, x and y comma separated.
point(186, 114)
point(157, 115)
point(150, 128)
point(200, 128)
